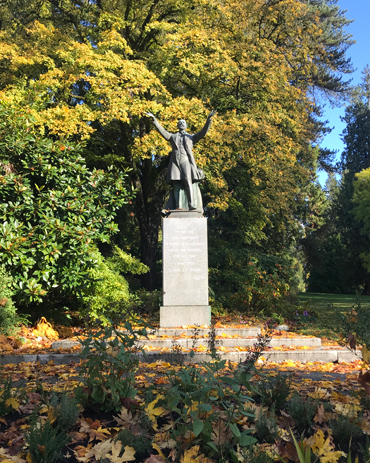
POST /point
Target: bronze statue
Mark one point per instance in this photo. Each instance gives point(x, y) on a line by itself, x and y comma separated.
point(182, 169)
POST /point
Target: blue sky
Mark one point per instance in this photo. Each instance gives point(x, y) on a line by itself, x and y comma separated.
point(359, 10)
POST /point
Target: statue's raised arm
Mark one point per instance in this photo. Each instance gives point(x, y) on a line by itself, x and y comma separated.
point(203, 132)
point(166, 135)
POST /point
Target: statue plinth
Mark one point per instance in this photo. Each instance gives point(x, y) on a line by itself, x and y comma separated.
point(185, 270)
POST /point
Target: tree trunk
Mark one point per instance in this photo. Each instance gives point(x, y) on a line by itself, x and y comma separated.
point(150, 198)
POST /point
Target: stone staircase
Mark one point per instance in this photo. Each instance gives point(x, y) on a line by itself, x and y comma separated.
point(232, 344)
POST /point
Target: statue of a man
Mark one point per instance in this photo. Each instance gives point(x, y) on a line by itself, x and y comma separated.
point(182, 167)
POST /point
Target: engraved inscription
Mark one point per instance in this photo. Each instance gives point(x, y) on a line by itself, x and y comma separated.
point(185, 262)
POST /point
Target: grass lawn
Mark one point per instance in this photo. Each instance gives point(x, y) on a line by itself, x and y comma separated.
point(328, 306)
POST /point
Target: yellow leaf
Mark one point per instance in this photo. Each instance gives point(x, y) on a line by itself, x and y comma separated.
point(156, 447)
point(28, 458)
point(152, 411)
point(127, 456)
point(192, 456)
point(51, 415)
point(323, 448)
point(366, 354)
point(12, 402)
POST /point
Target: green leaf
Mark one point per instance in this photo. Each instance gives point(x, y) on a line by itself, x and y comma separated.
point(246, 440)
point(234, 429)
point(197, 427)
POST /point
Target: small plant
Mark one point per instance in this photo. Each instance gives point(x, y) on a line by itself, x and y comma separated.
point(65, 410)
point(346, 429)
point(109, 370)
point(302, 411)
point(7, 399)
point(255, 352)
point(179, 356)
point(45, 441)
point(212, 343)
point(208, 404)
point(303, 450)
point(266, 427)
point(274, 390)
point(195, 336)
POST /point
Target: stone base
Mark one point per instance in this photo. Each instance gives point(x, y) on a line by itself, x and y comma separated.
point(179, 315)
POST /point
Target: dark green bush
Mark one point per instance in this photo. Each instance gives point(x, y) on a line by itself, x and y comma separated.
point(9, 320)
point(52, 210)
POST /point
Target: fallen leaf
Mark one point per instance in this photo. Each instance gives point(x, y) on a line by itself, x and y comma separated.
point(12, 402)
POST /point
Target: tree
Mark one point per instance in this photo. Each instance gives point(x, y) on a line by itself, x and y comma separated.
point(98, 65)
point(334, 253)
point(361, 199)
point(52, 210)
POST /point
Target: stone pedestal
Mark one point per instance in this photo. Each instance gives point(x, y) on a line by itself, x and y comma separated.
point(185, 270)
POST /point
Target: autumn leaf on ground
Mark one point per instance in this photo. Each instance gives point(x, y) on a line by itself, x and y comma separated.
point(323, 448)
point(154, 411)
point(155, 459)
point(349, 410)
point(364, 380)
point(98, 434)
point(192, 456)
point(128, 455)
point(320, 415)
point(98, 451)
point(12, 402)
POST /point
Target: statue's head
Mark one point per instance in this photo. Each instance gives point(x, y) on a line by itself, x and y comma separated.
point(181, 124)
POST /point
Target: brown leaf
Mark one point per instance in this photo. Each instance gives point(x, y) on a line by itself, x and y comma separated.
point(14, 450)
point(155, 459)
point(27, 409)
point(3, 301)
point(77, 436)
point(352, 341)
point(364, 380)
point(319, 417)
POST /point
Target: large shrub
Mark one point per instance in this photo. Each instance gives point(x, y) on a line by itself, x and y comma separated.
point(108, 295)
point(250, 282)
point(52, 209)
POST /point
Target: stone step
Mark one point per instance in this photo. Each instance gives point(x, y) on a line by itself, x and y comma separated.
point(203, 332)
point(188, 343)
point(323, 355)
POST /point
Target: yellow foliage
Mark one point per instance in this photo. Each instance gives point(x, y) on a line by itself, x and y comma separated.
point(44, 328)
point(323, 447)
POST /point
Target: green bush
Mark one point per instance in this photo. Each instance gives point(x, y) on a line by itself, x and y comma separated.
point(205, 402)
point(142, 444)
point(250, 283)
point(9, 320)
point(52, 210)
point(107, 296)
